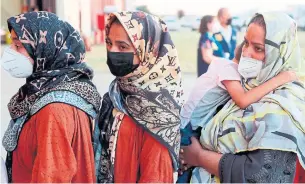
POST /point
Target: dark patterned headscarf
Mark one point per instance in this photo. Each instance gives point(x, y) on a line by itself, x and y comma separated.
point(59, 73)
point(58, 52)
point(150, 95)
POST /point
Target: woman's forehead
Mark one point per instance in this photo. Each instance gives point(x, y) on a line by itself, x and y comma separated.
point(255, 33)
point(117, 31)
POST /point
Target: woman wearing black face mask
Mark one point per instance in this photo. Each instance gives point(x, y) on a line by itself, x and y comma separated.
point(226, 35)
point(137, 135)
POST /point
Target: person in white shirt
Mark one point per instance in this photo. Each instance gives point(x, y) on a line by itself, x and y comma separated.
point(226, 35)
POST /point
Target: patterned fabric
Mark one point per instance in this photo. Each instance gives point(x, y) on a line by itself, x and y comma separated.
point(150, 95)
point(58, 53)
point(259, 166)
point(10, 140)
point(277, 121)
point(102, 134)
point(66, 97)
point(281, 168)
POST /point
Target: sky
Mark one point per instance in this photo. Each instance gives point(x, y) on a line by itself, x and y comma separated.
point(203, 7)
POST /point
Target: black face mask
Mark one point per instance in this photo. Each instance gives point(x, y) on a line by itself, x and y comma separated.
point(120, 63)
point(229, 21)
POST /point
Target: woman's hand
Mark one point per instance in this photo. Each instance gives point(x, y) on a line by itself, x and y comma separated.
point(189, 155)
point(195, 155)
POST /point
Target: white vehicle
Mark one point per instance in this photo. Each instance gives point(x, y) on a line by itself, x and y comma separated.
point(172, 22)
point(191, 21)
point(196, 24)
point(238, 22)
point(110, 9)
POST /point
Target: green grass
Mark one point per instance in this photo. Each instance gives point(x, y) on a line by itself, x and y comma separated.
point(97, 58)
point(186, 43)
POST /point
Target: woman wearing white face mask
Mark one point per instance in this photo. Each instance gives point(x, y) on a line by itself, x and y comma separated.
point(49, 136)
point(221, 83)
point(264, 142)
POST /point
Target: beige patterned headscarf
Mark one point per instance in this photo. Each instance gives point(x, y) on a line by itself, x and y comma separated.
point(151, 95)
point(159, 67)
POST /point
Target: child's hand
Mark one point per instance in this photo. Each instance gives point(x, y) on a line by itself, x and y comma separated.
point(288, 76)
point(189, 154)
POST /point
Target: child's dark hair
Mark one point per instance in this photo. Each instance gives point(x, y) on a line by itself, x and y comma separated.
point(239, 51)
point(203, 28)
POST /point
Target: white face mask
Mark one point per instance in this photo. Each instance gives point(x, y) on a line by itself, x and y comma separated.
point(249, 67)
point(16, 64)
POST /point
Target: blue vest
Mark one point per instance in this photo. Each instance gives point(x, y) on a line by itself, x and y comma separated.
point(223, 46)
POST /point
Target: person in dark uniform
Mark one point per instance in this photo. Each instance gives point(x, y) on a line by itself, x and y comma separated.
point(207, 46)
point(225, 36)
